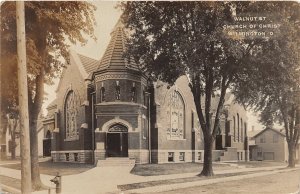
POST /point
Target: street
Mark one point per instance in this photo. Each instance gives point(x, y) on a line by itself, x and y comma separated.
point(279, 183)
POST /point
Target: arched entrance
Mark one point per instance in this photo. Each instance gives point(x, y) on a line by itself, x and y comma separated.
point(117, 141)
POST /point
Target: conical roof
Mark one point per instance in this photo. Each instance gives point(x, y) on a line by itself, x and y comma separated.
point(113, 58)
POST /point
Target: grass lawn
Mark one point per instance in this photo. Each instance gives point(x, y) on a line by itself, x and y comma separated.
point(178, 180)
point(173, 168)
point(51, 168)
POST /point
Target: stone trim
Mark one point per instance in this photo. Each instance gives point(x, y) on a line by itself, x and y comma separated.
point(49, 120)
point(72, 151)
point(120, 103)
point(141, 156)
point(99, 78)
point(170, 139)
point(116, 120)
point(84, 126)
point(73, 139)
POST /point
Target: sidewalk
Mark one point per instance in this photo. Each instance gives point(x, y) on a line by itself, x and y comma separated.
point(106, 179)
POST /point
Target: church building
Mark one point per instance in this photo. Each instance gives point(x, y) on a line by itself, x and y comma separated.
point(109, 108)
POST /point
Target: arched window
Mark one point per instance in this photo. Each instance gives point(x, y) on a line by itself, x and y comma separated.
point(234, 129)
point(133, 93)
point(71, 115)
point(102, 93)
point(177, 116)
point(238, 127)
point(118, 91)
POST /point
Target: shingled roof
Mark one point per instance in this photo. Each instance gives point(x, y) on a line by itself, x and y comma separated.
point(113, 58)
point(280, 132)
point(90, 65)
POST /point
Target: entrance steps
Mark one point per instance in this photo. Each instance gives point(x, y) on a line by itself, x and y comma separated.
point(116, 161)
point(230, 154)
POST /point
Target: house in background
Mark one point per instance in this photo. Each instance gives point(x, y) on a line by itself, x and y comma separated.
point(270, 144)
point(251, 141)
point(13, 138)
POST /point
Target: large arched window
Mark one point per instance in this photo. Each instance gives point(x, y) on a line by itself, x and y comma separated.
point(177, 116)
point(71, 115)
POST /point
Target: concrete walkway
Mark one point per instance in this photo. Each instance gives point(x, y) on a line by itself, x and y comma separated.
point(106, 179)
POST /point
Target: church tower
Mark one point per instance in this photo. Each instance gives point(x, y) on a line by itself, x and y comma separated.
point(121, 104)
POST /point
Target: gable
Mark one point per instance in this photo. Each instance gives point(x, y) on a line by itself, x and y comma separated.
point(83, 64)
point(270, 130)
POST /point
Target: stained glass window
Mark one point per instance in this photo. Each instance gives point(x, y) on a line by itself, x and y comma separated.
point(71, 114)
point(176, 130)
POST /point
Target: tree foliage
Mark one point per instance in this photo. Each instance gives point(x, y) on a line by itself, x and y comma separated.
point(170, 39)
point(48, 27)
point(273, 85)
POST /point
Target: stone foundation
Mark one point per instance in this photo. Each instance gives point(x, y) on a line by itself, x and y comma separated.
point(74, 156)
point(179, 156)
point(140, 156)
point(100, 155)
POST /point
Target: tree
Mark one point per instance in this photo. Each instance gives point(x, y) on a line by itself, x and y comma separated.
point(170, 39)
point(48, 26)
point(272, 87)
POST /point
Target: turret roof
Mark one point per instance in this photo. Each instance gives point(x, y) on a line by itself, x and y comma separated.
point(113, 58)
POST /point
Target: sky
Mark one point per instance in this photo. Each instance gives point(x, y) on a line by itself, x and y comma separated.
point(106, 17)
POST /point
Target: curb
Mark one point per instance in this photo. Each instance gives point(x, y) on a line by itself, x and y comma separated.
point(10, 189)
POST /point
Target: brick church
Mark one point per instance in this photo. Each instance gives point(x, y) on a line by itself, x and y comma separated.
point(109, 108)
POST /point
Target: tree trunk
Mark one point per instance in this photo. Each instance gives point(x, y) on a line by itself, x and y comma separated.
point(207, 165)
point(35, 171)
point(35, 109)
point(291, 155)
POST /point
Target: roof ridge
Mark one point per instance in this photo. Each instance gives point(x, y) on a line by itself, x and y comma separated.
point(88, 57)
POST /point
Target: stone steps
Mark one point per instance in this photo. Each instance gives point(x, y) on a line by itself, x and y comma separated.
point(116, 161)
point(230, 154)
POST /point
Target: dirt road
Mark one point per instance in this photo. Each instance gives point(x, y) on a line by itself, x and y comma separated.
point(279, 183)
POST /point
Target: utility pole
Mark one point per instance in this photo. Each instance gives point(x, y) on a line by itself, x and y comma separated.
point(23, 100)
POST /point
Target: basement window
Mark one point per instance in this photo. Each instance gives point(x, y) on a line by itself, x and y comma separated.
point(181, 156)
point(67, 157)
point(76, 157)
point(200, 156)
point(170, 156)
